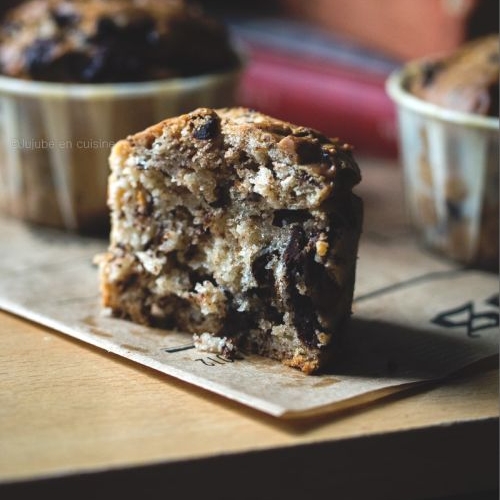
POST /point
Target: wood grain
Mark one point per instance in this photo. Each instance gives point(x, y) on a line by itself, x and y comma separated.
point(75, 418)
point(66, 407)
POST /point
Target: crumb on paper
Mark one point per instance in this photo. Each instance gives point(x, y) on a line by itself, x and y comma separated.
point(205, 342)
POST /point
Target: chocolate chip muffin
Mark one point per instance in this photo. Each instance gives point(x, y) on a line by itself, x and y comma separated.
point(466, 80)
point(238, 228)
point(448, 123)
point(109, 41)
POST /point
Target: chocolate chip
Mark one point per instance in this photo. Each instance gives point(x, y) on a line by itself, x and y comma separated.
point(273, 315)
point(125, 26)
point(95, 69)
point(190, 253)
point(429, 72)
point(297, 257)
point(254, 197)
point(64, 18)
point(207, 130)
point(38, 56)
point(105, 28)
point(116, 62)
point(74, 65)
point(266, 285)
point(347, 174)
point(454, 210)
point(303, 150)
point(309, 151)
point(130, 280)
point(304, 319)
point(244, 161)
point(263, 276)
point(222, 191)
point(295, 244)
point(237, 322)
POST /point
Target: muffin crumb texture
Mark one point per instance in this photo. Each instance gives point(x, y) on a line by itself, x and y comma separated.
point(238, 228)
point(109, 41)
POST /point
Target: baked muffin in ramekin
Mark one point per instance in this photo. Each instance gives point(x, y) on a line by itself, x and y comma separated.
point(449, 140)
point(76, 76)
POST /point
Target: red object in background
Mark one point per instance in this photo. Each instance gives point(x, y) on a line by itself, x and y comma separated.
point(339, 100)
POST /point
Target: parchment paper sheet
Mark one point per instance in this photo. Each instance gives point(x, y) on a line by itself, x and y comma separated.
point(416, 318)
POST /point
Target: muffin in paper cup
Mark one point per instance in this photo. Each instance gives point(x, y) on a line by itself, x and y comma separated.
point(450, 161)
point(79, 75)
point(55, 140)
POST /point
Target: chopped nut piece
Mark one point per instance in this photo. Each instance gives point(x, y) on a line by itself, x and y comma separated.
point(322, 248)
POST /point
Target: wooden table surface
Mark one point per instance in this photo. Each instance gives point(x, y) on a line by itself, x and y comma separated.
point(75, 420)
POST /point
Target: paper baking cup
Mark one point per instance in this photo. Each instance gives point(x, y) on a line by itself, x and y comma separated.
point(450, 161)
point(55, 140)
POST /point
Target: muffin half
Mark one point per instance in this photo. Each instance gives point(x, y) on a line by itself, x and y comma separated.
point(238, 228)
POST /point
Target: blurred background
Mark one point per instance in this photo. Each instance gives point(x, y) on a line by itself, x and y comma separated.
point(323, 63)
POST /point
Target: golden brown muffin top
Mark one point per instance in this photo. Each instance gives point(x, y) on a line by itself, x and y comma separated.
point(466, 80)
point(291, 166)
